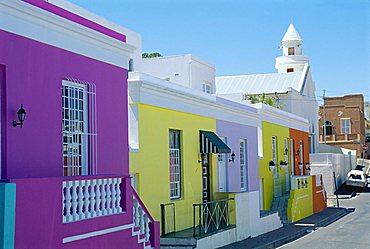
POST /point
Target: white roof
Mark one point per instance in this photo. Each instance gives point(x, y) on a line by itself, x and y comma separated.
point(291, 34)
point(259, 83)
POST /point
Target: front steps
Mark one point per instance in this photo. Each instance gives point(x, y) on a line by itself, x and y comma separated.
point(280, 205)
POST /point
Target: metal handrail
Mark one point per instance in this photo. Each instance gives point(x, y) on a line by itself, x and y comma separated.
point(212, 216)
point(163, 217)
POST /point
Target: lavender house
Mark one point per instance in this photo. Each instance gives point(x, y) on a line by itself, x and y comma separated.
point(64, 170)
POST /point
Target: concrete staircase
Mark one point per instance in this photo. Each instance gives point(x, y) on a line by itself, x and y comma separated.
point(280, 205)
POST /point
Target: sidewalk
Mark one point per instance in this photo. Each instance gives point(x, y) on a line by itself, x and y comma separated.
point(290, 232)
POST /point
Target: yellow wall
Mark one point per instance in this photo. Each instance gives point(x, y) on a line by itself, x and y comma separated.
point(300, 204)
point(151, 163)
point(280, 132)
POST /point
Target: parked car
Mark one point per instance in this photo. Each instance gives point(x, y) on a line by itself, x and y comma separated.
point(356, 178)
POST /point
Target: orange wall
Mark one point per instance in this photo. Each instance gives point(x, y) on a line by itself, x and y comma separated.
point(297, 135)
point(319, 203)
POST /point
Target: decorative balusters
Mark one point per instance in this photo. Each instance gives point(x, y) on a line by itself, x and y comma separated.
point(98, 198)
point(147, 229)
point(114, 197)
point(81, 212)
point(118, 194)
point(109, 196)
point(87, 200)
point(74, 200)
point(93, 199)
point(104, 198)
point(141, 219)
point(64, 201)
point(83, 199)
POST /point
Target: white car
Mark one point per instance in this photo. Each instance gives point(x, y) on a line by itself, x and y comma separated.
point(356, 178)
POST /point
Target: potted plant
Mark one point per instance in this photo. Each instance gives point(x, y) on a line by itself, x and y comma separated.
point(283, 164)
point(272, 165)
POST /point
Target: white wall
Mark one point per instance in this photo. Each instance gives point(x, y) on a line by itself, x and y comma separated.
point(327, 163)
point(185, 70)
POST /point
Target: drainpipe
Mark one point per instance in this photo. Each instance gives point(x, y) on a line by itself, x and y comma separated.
point(189, 72)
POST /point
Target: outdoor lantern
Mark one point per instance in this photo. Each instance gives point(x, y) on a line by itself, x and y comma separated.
point(286, 151)
point(298, 151)
point(202, 157)
point(232, 157)
point(21, 117)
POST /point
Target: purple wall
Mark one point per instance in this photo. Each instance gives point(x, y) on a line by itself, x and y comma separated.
point(75, 18)
point(33, 77)
point(234, 132)
point(42, 226)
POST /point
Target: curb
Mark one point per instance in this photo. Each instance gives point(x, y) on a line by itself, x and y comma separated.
point(299, 234)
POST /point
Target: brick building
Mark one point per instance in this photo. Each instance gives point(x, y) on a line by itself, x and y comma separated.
point(345, 122)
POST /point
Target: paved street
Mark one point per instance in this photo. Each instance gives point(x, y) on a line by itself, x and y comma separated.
point(351, 231)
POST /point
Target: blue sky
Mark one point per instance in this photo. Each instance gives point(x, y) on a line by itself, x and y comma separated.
point(242, 37)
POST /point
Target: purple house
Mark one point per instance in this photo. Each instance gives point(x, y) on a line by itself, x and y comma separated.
point(64, 170)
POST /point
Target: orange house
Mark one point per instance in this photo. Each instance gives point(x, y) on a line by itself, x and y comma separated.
point(299, 147)
point(319, 203)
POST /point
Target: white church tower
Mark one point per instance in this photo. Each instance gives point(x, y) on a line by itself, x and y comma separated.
point(292, 59)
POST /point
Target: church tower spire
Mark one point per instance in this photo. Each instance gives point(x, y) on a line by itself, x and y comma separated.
point(292, 59)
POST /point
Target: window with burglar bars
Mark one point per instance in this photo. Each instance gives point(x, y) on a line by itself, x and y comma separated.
point(78, 126)
point(243, 164)
point(175, 165)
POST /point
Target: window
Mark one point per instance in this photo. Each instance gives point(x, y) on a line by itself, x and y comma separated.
point(291, 51)
point(345, 125)
point(243, 165)
point(175, 165)
point(131, 65)
point(328, 126)
point(79, 128)
point(207, 88)
point(274, 150)
point(74, 129)
point(290, 70)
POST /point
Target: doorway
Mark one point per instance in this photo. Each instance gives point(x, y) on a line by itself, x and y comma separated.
point(206, 179)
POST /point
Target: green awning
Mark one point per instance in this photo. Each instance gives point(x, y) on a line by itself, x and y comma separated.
point(211, 143)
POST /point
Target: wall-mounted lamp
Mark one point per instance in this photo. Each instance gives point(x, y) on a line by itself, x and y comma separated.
point(298, 152)
point(232, 159)
point(285, 152)
point(202, 157)
point(21, 116)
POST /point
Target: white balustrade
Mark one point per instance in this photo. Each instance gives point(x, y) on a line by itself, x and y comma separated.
point(83, 199)
point(141, 219)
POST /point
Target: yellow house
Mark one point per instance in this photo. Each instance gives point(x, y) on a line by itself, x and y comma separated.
point(173, 160)
point(275, 148)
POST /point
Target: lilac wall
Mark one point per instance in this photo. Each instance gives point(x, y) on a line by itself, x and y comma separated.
point(75, 18)
point(234, 132)
point(33, 77)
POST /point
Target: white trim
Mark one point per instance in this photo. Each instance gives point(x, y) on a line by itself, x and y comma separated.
point(320, 191)
point(149, 90)
point(37, 24)
point(283, 118)
point(96, 233)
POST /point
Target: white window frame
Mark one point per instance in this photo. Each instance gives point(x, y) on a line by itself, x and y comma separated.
point(345, 125)
point(72, 149)
point(243, 162)
point(274, 149)
point(207, 87)
point(175, 166)
point(301, 151)
point(222, 169)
